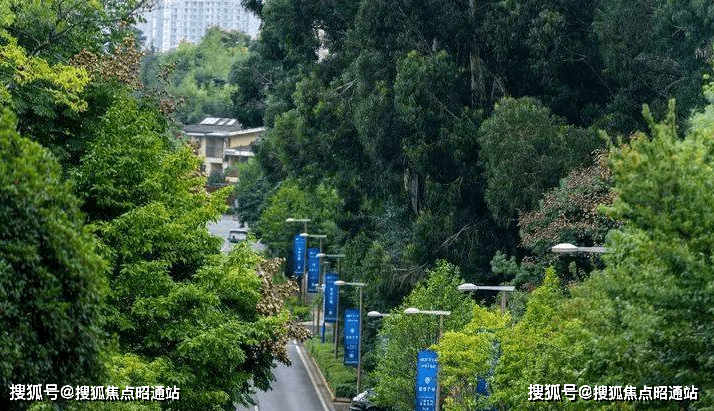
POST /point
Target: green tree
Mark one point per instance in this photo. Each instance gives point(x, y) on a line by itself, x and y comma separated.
point(542, 348)
point(467, 356)
point(200, 75)
point(647, 304)
point(290, 200)
point(525, 150)
point(51, 275)
point(653, 51)
point(546, 50)
point(176, 302)
point(252, 190)
point(58, 30)
point(402, 335)
point(640, 320)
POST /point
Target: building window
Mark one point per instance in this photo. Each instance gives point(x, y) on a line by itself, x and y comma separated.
point(214, 147)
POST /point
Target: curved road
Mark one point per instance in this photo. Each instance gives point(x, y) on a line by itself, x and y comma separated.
point(293, 388)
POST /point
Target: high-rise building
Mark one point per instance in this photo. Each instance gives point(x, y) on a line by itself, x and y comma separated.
point(169, 22)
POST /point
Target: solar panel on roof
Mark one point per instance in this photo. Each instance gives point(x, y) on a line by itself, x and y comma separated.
point(210, 120)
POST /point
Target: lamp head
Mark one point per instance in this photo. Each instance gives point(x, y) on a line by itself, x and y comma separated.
point(564, 248)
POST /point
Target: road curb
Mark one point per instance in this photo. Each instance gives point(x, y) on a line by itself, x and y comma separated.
point(338, 403)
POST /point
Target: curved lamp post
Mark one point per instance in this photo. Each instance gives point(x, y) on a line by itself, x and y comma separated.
point(441, 314)
point(304, 272)
point(361, 286)
point(567, 248)
point(322, 255)
point(304, 277)
point(471, 287)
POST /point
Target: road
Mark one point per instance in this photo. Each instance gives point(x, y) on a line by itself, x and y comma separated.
point(222, 227)
point(294, 388)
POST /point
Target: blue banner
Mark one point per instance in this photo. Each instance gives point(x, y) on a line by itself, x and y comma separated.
point(482, 387)
point(352, 336)
point(299, 244)
point(426, 381)
point(313, 269)
point(332, 297)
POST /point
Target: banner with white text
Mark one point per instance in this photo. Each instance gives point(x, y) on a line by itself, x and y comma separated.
point(426, 381)
point(352, 336)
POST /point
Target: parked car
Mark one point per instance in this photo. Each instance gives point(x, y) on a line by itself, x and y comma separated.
point(363, 402)
point(236, 236)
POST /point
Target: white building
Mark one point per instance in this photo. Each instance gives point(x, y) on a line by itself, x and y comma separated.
point(169, 22)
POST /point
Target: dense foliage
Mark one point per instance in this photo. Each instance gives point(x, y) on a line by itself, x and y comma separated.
point(439, 124)
point(403, 335)
point(108, 275)
point(468, 131)
point(433, 142)
point(51, 274)
point(198, 76)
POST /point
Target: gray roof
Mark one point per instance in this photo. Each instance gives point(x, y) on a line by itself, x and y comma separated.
point(213, 125)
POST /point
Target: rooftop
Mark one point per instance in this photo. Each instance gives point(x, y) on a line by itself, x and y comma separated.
point(214, 125)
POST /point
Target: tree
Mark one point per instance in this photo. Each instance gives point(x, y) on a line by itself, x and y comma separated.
point(201, 75)
point(652, 51)
point(525, 150)
point(402, 335)
point(648, 301)
point(175, 301)
point(542, 348)
point(569, 214)
point(641, 319)
point(58, 30)
point(290, 200)
point(251, 192)
point(468, 356)
point(546, 50)
point(51, 273)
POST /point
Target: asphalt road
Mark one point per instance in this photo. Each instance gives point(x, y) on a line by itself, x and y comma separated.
point(294, 388)
point(222, 227)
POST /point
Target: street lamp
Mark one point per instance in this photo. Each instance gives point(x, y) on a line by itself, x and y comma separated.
point(472, 287)
point(567, 248)
point(304, 277)
point(322, 255)
point(441, 314)
point(298, 220)
point(361, 286)
point(304, 269)
point(377, 314)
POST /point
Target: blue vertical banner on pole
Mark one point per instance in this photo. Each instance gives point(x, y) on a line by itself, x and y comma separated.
point(299, 244)
point(313, 269)
point(332, 297)
point(426, 381)
point(352, 336)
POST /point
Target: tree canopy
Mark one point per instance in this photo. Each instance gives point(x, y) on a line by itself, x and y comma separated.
point(52, 280)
